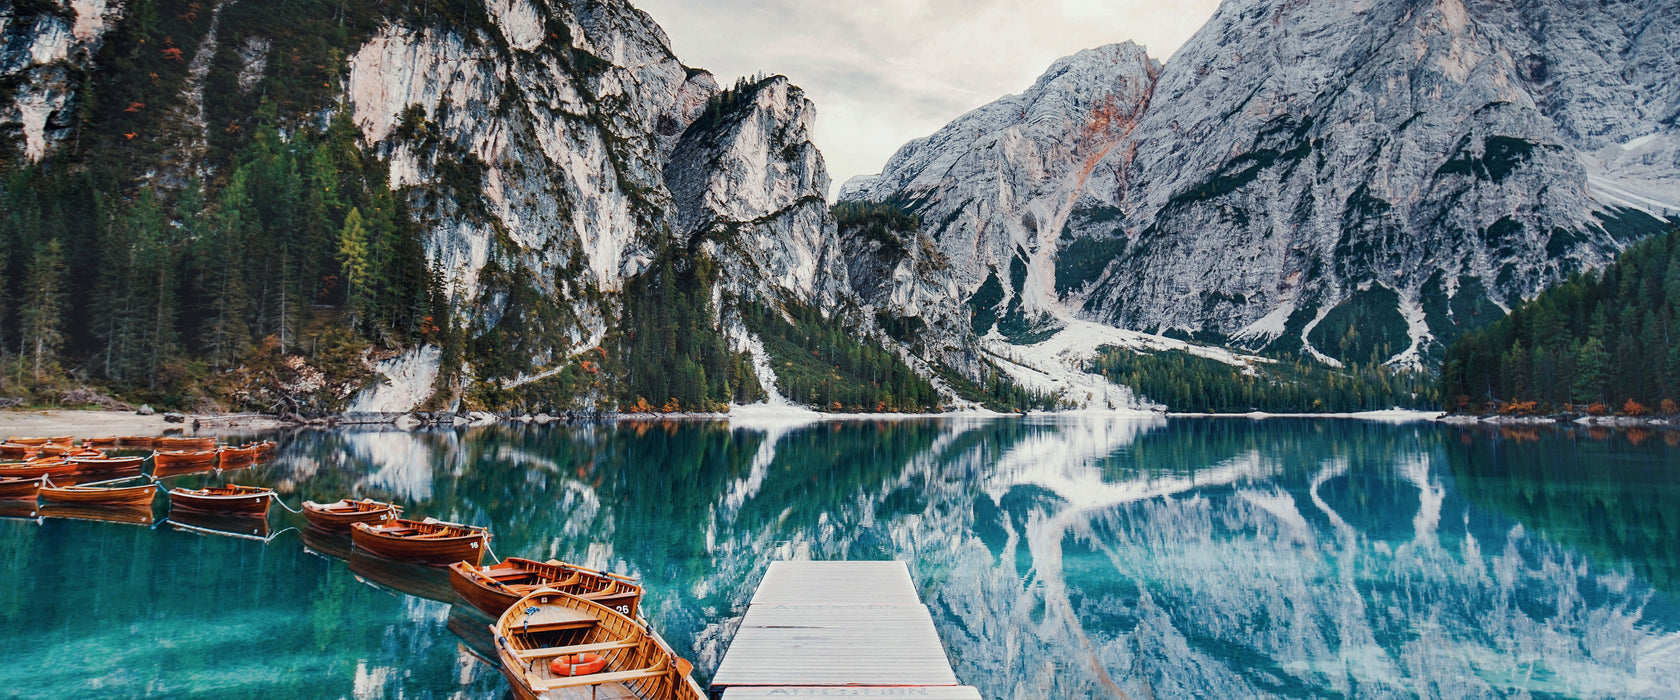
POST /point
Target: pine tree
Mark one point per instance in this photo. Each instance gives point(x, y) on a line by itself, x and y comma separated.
point(224, 332)
point(354, 258)
point(5, 290)
point(42, 315)
point(1592, 368)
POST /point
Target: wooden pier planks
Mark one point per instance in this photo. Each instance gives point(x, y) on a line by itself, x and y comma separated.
point(822, 629)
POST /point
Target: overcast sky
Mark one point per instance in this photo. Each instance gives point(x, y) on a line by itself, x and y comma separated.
point(882, 72)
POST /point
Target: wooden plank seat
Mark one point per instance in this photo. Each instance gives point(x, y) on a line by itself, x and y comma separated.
point(547, 684)
point(552, 652)
point(558, 626)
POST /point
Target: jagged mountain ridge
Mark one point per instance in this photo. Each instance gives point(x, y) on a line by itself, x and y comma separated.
point(1297, 170)
point(554, 153)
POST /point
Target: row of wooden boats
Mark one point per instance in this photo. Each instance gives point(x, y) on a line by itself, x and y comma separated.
point(230, 499)
point(562, 631)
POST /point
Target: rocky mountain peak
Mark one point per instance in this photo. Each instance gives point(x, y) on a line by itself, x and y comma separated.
point(1356, 181)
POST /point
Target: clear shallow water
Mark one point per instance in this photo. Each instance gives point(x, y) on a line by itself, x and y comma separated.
point(1062, 558)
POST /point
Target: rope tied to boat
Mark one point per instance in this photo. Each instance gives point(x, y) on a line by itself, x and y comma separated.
point(282, 503)
point(491, 552)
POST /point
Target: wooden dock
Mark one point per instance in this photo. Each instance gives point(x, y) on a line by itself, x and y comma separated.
point(853, 629)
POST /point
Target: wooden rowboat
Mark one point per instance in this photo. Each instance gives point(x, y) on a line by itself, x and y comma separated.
point(266, 450)
point(493, 588)
point(82, 477)
point(100, 495)
point(548, 629)
point(20, 487)
point(13, 449)
point(422, 542)
point(39, 441)
point(339, 516)
point(133, 441)
point(103, 442)
point(185, 443)
point(231, 498)
point(166, 471)
point(101, 463)
point(37, 468)
point(180, 459)
point(236, 457)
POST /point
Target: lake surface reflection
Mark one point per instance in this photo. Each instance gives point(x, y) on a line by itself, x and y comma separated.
point(1062, 558)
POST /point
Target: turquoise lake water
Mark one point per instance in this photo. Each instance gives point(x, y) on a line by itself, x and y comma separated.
point(1061, 557)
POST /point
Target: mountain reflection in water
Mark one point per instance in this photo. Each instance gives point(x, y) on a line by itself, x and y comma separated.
point(1062, 557)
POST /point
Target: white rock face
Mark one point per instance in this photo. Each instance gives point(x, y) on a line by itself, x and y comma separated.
point(406, 382)
point(751, 189)
point(552, 164)
point(1436, 157)
point(39, 51)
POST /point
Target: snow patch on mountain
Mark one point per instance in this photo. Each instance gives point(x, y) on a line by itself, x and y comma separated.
point(1058, 365)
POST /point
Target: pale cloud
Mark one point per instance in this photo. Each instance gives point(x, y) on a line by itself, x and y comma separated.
point(882, 72)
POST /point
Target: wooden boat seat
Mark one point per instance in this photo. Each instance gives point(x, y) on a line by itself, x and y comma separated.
point(544, 685)
point(552, 652)
point(558, 625)
point(559, 619)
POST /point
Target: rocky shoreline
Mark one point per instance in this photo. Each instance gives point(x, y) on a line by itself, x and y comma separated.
point(1564, 419)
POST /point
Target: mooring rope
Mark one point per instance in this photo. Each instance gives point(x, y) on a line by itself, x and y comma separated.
point(491, 552)
point(283, 505)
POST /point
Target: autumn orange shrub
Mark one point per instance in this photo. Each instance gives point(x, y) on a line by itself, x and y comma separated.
point(1633, 408)
point(1669, 407)
point(1598, 409)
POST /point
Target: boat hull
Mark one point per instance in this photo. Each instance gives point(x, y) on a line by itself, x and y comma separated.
point(183, 460)
point(321, 518)
point(475, 587)
point(36, 470)
point(187, 444)
point(73, 495)
point(431, 552)
point(19, 488)
point(234, 458)
point(106, 464)
point(251, 504)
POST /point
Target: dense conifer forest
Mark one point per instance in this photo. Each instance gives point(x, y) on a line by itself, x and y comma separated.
point(1601, 342)
point(1190, 383)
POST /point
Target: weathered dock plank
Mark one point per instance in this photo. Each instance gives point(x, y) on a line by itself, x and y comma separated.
point(837, 629)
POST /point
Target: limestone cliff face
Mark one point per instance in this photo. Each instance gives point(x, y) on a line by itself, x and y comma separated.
point(574, 127)
point(549, 149)
point(751, 190)
point(538, 149)
point(994, 191)
point(1297, 167)
point(46, 48)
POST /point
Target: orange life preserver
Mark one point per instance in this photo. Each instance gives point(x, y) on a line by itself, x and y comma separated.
point(577, 664)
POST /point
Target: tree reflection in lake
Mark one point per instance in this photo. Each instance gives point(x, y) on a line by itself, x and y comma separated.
point(1062, 557)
